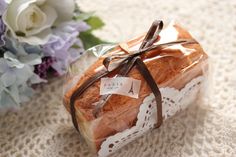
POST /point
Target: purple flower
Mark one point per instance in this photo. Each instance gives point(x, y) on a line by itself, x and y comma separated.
point(3, 6)
point(64, 45)
point(41, 69)
point(2, 32)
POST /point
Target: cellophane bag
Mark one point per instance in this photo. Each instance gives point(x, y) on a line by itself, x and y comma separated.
point(178, 71)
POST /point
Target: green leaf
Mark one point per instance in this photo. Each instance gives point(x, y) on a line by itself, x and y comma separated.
point(89, 40)
point(95, 22)
point(83, 16)
point(75, 46)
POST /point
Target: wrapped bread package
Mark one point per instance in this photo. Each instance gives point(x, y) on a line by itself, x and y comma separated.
point(114, 101)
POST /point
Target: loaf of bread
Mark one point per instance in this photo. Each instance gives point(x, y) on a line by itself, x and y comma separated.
point(173, 67)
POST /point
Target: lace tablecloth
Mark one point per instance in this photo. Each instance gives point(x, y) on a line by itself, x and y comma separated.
point(43, 128)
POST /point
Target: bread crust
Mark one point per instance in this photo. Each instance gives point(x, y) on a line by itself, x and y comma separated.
point(172, 68)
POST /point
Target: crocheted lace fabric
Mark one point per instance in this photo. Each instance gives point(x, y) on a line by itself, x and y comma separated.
point(43, 128)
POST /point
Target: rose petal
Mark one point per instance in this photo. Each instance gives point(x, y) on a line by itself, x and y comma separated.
point(50, 16)
point(13, 10)
point(30, 20)
point(64, 8)
point(9, 18)
point(40, 39)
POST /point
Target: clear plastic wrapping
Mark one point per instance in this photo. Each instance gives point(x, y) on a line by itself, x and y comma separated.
point(178, 71)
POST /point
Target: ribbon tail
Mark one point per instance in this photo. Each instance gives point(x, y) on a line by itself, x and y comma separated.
point(152, 34)
point(152, 84)
point(80, 91)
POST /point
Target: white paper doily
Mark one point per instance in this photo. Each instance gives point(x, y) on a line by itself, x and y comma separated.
point(173, 100)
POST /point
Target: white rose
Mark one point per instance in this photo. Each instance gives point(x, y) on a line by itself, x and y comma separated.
point(31, 21)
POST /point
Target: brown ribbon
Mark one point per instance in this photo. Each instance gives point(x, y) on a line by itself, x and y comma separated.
point(124, 63)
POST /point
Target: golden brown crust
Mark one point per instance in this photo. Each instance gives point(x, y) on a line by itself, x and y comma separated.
point(120, 112)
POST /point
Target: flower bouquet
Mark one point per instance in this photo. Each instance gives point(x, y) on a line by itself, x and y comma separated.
point(38, 37)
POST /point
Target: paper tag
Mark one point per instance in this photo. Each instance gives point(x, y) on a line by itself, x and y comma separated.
point(120, 85)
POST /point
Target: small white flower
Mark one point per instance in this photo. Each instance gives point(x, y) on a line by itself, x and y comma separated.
point(31, 21)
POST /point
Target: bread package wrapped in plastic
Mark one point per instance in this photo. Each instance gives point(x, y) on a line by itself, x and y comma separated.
point(132, 87)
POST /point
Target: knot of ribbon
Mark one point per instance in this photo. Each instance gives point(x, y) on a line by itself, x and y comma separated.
point(123, 63)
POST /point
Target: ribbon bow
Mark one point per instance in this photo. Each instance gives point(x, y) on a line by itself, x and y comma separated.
point(124, 63)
